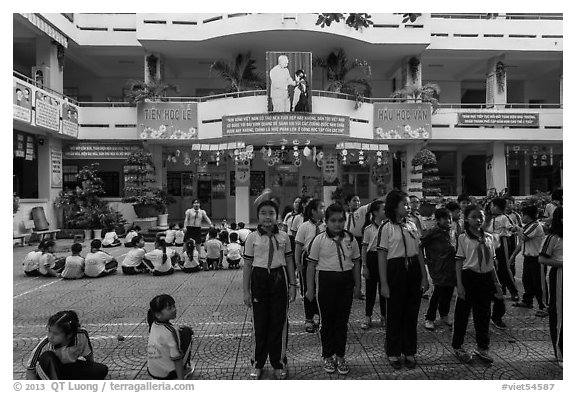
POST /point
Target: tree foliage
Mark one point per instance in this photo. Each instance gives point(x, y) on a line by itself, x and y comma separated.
point(155, 90)
point(427, 93)
point(240, 74)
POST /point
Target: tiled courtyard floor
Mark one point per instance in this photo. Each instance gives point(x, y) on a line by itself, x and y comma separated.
point(211, 302)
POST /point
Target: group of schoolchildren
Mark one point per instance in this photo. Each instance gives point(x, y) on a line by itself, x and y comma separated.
point(219, 245)
point(395, 254)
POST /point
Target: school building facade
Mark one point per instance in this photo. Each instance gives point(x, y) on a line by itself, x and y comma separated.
point(498, 124)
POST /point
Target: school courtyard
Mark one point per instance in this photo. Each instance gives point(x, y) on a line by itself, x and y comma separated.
point(113, 310)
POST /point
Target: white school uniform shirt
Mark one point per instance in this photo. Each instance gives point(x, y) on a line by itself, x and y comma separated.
point(81, 347)
point(355, 221)
point(334, 253)
point(134, 257)
point(260, 246)
point(370, 237)
point(468, 251)
point(191, 263)
point(234, 251)
point(170, 236)
point(156, 256)
point(130, 236)
point(73, 267)
point(194, 218)
point(296, 222)
point(243, 234)
point(501, 225)
point(95, 263)
point(307, 232)
point(553, 247)
point(163, 349)
point(179, 237)
point(109, 238)
point(399, 240)
point(533, 236)
point(289, 219)
point(46, 260)
point(32, 261)
point(213, 248)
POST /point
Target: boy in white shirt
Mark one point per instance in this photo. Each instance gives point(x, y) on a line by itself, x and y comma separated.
point(178, 236)
point(242, 233)
point(234, 252)
point(131, 235)
point(111, 239)
point(31, 262)
point(99, 263)
point(74, 264)
point(170, 235)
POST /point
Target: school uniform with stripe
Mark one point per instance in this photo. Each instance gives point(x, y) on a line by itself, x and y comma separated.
point(370, 240)
point(553, 247)
point(268, 254)
point(531, 243)
point(401, 242)
point(334, 257)
point(477, 258)
point(501, 227)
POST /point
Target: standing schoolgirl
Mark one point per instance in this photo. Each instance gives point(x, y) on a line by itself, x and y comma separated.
point(312, 226)
point(299, 218)
point(403, 279)
point(376, 215)
point(289, 218)
point(334, 270)
point(477, 282)
point(269, 282)
point(552, 254)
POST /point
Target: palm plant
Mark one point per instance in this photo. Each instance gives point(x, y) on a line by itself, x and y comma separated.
point(338, 67)
point(427, 93)
point(155, 90)
point(240, 74)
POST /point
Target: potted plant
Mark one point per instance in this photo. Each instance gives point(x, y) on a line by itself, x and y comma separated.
point(240, 75)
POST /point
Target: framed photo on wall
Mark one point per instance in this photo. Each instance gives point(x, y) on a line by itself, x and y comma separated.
point(289, 81)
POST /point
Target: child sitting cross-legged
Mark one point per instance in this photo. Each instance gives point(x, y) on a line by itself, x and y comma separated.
point(134, 262)
point(135, 231)
point(31, 262)
point(74, 264)
point(99, 263)
point(111, 239)
point(189, 263)
point(163, 258)
point(234, 252)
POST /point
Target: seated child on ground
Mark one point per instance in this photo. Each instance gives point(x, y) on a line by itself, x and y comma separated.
point(242, 233)
point(135, 231)
point(111, 239)
point(99, 263)
point(134, 262)
point(214, 250)
point(189, 263)
point(224, 239)
point(169, 346)
point(169, 235)
point(179, 236)
point(31, 262)
point(69, 354)
point(49, 265)
point(162, 258)
point(74, 264)
point(234, 252)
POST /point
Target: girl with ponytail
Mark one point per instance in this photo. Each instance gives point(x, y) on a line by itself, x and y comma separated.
point(162, 258)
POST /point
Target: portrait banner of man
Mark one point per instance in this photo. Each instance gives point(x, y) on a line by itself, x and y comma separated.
point(289, 81)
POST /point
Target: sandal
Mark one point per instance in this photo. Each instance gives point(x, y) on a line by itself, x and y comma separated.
point(366, 324)
point(256, 373)
point(309, 327)
point(280, 373)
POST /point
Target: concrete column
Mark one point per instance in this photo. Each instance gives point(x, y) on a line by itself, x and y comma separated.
point(496, 176)
point(459, 159)
point(495, 96)
point(44, 175)
point(243, 204)
point(47, 55)
point(407, 174)
point(161, 173)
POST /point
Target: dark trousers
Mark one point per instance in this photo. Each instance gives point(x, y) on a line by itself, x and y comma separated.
point(33, 273)
point(131, 270)
point(53, 368)
point(212, 262)
point(555, 301)
point(498, 309)
point(269, 290)
point(440, 301)
point(373, 285)
point(479, 290)
point(191, 269)
point(334, 292)
point(310, 307)
point(166, 273)
point(115, 243)
point(532, 281)
point(504, 274)
point(403, 306)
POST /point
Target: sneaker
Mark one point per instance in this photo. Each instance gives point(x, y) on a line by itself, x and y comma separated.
point(499, 324)
point(522, 305)
point(366, 324)
point(329, 365)
point(515, 298)
point(446, 321)
point(256, 373)
point(542, 313)
point(189, 370)
point(395, 362)
point(484, 355)
point(342, 366)
point(410, 362)
point(309, 327)
point(280, 373)
point(429, 325)
point(463, 355)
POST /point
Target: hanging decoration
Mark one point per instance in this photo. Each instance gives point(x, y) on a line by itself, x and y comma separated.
point(187, 160)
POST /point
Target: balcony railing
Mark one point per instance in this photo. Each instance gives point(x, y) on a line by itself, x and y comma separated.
point(507, 106)
point(25, 78)
point(500, 16)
